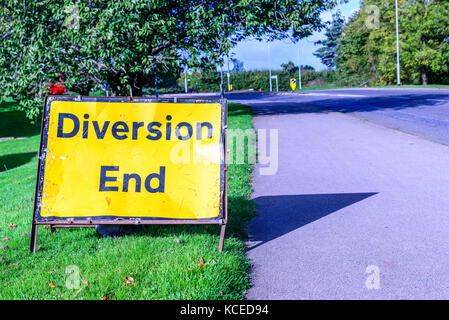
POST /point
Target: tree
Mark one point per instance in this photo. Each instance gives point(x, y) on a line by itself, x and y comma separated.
point(327, 52)
point(353, 62)
point(425, 49)
point(289, 68)
point(238, 65)
point(367, 50)
point(127, 43)
point(307, 67)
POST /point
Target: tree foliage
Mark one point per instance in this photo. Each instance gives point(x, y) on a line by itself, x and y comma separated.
point(127, 44)
point(425, 51)
point(327, 52)
point(367, 48)
point(289, 68)
point(238, 65)
point(353, 61)
point(209, 80)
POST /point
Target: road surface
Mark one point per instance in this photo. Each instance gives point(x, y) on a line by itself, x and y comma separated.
point(422, 112)
point(359, 206)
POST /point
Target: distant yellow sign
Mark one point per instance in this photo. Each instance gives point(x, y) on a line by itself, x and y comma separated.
point(293, 84)
point(109, 158)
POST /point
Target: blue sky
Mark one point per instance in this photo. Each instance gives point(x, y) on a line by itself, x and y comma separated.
point(255, 55)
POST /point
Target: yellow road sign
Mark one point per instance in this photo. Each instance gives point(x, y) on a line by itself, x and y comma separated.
point(293, 84)
point(105, 158)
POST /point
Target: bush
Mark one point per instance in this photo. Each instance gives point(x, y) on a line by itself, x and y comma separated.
point(256, 80)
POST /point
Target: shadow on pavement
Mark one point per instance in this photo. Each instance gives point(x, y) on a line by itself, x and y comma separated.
point(304, 104)
point(345, 101)
point(279, 215)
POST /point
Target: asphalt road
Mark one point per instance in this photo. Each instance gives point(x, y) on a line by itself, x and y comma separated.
point(357, 209)
point(422, 112)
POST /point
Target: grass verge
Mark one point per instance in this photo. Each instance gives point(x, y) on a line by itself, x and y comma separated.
point(429, 86)
point(161, 262)
point(410, 86)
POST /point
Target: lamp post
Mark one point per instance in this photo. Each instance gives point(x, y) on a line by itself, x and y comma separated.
point(398, 66)
point(221, 82)
point(269, 58)
point(185, 80)
point(299, 67)
point(229, 76)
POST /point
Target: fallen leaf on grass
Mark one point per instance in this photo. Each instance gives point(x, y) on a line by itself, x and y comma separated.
point(79, 290)
point(52, 285)
point(108, 296)
point(129, 281)
point(12, 225)
point(5, 239)
point(201, 263)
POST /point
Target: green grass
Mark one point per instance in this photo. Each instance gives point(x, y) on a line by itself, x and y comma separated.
point(332, 86)
point(443, 86)
point(162, 260)
point(325, 87)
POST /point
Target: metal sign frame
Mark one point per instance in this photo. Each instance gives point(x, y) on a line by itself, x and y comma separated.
point(58, 222)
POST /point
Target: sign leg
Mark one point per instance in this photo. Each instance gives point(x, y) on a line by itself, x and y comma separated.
point(33, 237)
point(222, 236)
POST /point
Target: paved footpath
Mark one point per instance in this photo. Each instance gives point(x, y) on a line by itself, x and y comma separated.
point(350, 195)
